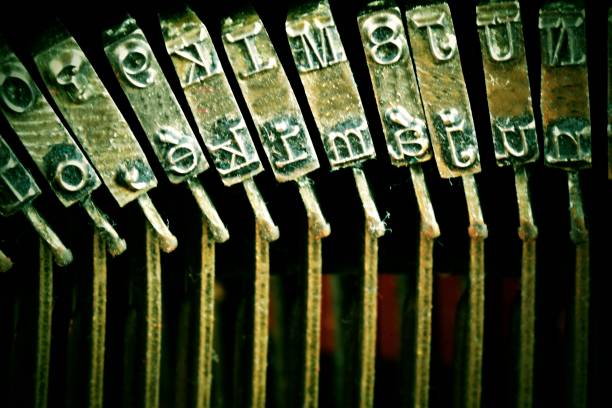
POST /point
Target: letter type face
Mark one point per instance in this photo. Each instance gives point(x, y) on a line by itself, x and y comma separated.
point(210, 97)
point(48, 142)
point(164, 122)
point(565, 92)
point(395, 86)
point(510, 110)
point(95, 120)
point(17, 187)
point(329, 84)
point(445, 99)
point(270, 99)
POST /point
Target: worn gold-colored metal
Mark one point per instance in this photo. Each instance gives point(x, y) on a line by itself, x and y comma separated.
point(98, 322)
point(43, 329)
point(333, 98)
point(272, 105)
point(153, 320)
point(167, 241)
point(206, 320)
point(5, 262)
point(261, 298)
point(567, 145)
point(96, 122)
point(164, 122)
point(57, 156)
point(515, 143)
point(17, 193)
point(401, 112)
point(215, 109)
point(528, 233)
point(287, 144)
point(451, 126)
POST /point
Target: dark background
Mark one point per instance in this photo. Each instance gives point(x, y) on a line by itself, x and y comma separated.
point(22, 22)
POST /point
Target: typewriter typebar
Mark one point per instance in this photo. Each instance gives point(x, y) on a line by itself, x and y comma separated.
point(327, 167)
point(60, 159)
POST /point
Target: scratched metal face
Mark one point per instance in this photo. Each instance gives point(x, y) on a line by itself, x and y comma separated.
point(154, 102)
point(210, 98)
point(95, 120)
point(395, 86)
point(445, 98)
point(503, 55)
point(17, 187)
point(269, 96)
point(565, 88)
point(329, 85)
point(58, 157)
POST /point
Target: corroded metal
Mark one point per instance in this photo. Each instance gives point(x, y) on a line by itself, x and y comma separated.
point(451, 126)
point(98, 322)
point(567, 145)
point(97, 124)
point(272, 105)
point(215, 109)
point(399, 106)
point(69, 173)
point(515, 143)
point(508, 93)
point(153, 320)
point(565, 88)
point(333, 98)
point(164, 123)
point(43, 327)
point(17, 193)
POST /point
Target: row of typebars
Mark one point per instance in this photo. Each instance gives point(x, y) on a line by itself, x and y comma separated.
point(71, 129)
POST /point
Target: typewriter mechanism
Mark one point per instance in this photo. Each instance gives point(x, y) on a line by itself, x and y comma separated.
point(304, 203)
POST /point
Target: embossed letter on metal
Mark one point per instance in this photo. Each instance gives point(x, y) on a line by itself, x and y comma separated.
point(271, 101)
point(152, 99)
point(329, 84)
point(210, 97)
point(395, 85)
point(445, 98)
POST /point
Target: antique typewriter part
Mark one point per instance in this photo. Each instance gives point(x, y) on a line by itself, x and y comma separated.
point(99, 126)
point(516, 144)
point(61, 161)
point(18, 191)
point(255, 322)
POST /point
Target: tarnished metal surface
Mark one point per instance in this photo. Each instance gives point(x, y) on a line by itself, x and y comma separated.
point(17, 187)
point(210, 98)
point(152, 99)
point(58, 157)
point(565, 88)
point(269, 96)
point(394, 82)
point(94, 118)
point(503, 55)
point(445, 99)
point(329, 84)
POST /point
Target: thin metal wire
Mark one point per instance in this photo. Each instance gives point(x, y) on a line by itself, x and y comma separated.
point(268, 229)
point(474, 341)
point(213, 221)
point(261, 299)
point(116, 244)
point(153, 335)
point(580, 236)
point(206, 318)
point(528, 233)
point(316, 220)
point(61, 254)
point(43, 335)
point(429, 232)
point(98, 322)
point(167, 240)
